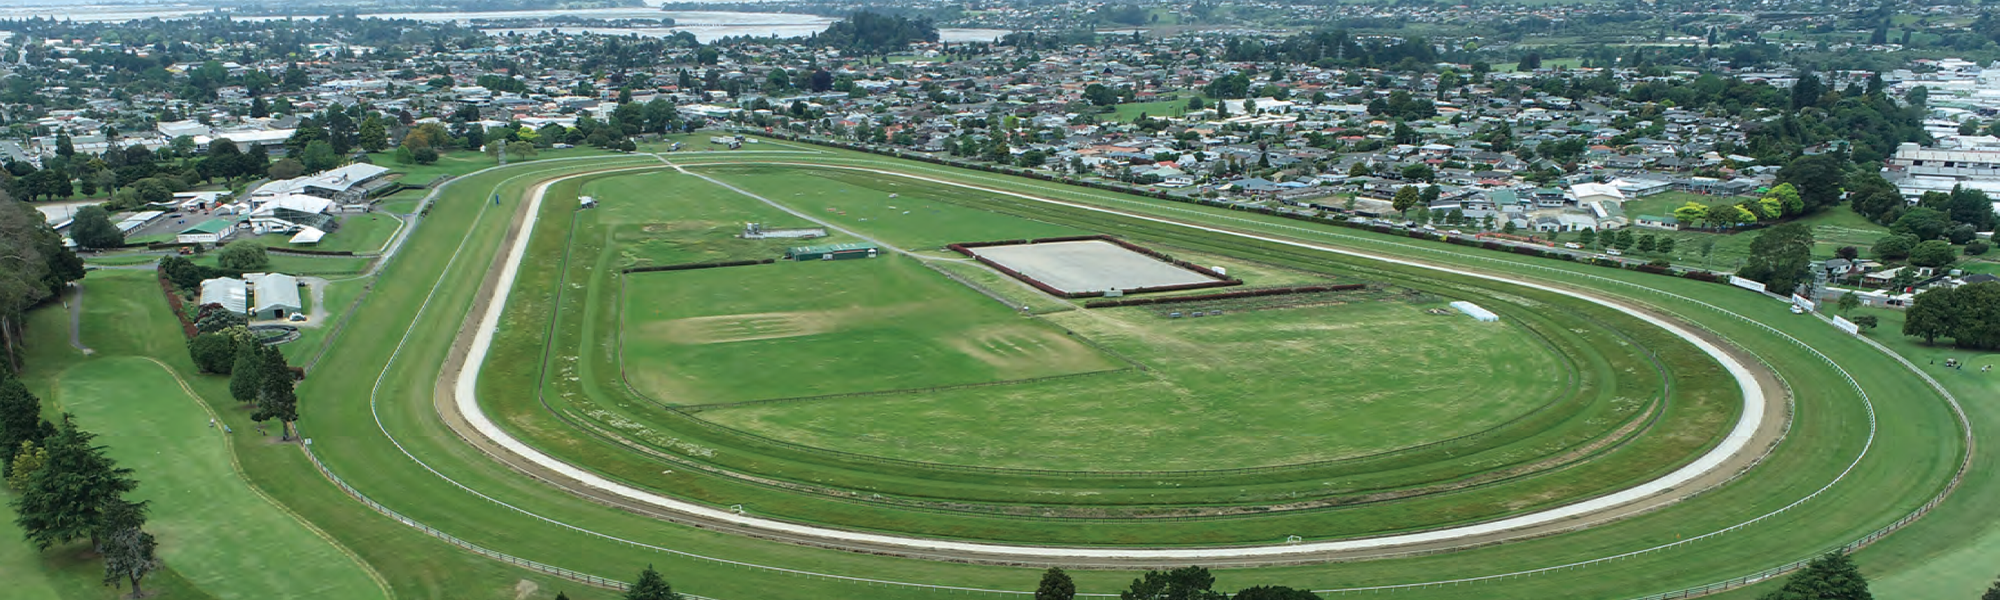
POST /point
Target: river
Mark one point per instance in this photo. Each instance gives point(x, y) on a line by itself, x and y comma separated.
point(706, 26)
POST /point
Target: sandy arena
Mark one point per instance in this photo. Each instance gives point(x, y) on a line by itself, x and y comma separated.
point(1090, 266)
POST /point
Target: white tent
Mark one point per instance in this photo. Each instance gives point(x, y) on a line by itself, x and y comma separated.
point(1474, 311)
point(309, 235)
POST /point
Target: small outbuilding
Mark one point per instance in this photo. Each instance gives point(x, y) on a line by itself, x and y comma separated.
point(833, 251)
point(206, 232)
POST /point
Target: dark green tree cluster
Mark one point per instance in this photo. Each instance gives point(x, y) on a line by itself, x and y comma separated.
point(1781, 258)
point(78, 492)
point(1830, 577)
point(1968, 315)
point(1185, 583)
point(186, 275)
point(873, 33)
point(259, 376)
point(91, 228)
point(34, 267)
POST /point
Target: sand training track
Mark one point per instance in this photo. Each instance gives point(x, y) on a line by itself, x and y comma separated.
point(1756, 430)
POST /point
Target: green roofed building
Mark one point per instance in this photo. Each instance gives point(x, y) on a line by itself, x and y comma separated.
point(833, 251)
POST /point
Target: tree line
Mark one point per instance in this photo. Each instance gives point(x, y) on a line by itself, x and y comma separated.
point(68, 489)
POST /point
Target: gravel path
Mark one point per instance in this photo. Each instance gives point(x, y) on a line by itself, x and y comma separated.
point(75, 306)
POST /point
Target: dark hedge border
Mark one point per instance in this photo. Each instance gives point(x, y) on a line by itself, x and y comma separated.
point(1282, 291)
point(693, 266)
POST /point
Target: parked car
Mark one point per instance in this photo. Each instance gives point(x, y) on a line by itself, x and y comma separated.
point(1613, 252)
point(1573, 245)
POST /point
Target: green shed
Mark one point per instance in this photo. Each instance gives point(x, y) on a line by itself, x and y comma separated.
point(833, 251)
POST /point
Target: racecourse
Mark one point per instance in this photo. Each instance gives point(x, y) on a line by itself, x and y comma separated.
point(460, 490)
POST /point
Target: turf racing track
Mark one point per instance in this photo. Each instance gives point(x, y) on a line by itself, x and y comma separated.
point(1738, 440)
point(1764, 420)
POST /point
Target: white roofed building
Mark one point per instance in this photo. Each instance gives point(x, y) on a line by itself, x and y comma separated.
point(276, 295)
point(229, 292)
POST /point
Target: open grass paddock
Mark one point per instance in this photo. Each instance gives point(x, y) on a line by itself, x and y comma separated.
point(374, 431)
point(1251, 389)
point(830, 327)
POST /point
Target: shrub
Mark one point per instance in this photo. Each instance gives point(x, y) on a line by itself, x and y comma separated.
point(1977, 247)
point(243, 255)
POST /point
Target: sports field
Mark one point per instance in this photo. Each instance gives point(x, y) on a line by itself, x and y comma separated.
point(365, 425)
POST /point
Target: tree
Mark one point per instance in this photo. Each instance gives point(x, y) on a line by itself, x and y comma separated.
point(243, 255)
point(1977, 247)
point(246, 377)
point(1847, 302)
point(1847, 253)
point(66, 499)
point(319, 156)
point(1790, 203)
point(651, 587)
point(1933, 253)
point(1418, 172)
point(129, 552)
point(1970, 207)
point(213, 352)
point(1830, 577)
point(1405, 199)
point(1665, 245)
point(1894, 247)
point(1925, 223)
point(275, 397)
point(1647, 243)
point(1274, 592)
point(290, 168)
point(1867, 322)
point(1692, 214)
point(91, 228)
point(1781, 257)
point(28, 458)
point(374, 135)
point(1817, 178)
point(1586, 237)
point(1056, 585)
point(20, 420)
point(1185, 583)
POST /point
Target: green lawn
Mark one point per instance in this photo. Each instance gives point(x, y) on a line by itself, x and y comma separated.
point(696, 223)
point(1253, 383)
point(72, 573)
point(920, 215)
point(362, 233)
point(212, 527)
point(295, 264)
point(582, 395)
point(831, 327)
point(1172, 107)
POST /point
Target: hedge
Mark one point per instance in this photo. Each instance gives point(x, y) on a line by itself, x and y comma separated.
point(1282, 291)
point(693, 266)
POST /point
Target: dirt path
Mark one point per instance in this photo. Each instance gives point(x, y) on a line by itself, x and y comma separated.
point(1761, 427)
point(75, 305)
